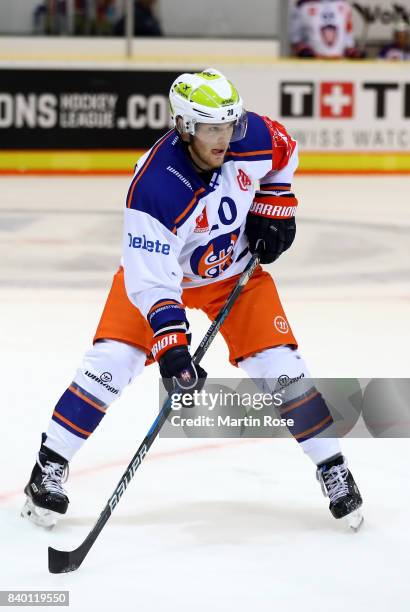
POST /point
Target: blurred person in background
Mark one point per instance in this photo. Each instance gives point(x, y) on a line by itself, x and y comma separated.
point(323, 29)
point(50, 17)
point(82, 19)
point(145, 21)
point(39, 18)
point(105, 17)
point(399, 48)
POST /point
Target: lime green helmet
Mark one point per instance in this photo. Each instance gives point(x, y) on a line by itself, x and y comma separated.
point(206, 97)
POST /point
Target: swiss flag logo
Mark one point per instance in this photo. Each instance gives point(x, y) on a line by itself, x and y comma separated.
point(336, 100)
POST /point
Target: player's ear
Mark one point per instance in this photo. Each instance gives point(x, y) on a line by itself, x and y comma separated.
point(179, 125)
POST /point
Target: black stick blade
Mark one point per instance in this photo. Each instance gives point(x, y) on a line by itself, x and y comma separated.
point(61, 561)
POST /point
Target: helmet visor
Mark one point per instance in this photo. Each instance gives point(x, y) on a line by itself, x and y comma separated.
point(240, 128)
point(215, 133)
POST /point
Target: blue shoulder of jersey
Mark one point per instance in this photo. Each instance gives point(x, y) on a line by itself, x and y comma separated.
point(256, 145)
point(166, 187)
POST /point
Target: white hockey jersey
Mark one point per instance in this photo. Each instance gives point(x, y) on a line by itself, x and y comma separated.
point(180, 232)
point(325, 26)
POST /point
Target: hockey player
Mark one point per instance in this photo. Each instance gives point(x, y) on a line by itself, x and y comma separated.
point(323, 29)
point(192, 220)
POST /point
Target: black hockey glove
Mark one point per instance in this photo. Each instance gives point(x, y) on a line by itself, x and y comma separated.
point(271, 225)
point(270, 237)
point(170, 349)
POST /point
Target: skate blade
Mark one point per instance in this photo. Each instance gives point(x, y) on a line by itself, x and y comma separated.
point(355, 520)
point(39, 516)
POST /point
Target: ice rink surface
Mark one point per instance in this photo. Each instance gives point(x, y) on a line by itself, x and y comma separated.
point(211, 524)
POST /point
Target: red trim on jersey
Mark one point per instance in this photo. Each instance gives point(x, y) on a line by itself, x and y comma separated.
point(283, 144)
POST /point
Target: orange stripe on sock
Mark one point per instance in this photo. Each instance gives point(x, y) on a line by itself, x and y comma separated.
point(86, 399)
point(67, 422)
point(315, 428)
point(300, 402)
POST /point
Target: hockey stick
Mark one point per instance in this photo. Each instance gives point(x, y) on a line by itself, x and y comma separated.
point(60, 561)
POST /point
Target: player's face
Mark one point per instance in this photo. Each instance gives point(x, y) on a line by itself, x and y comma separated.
point(210, 143)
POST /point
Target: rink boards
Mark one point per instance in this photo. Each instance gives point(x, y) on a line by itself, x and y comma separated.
point(63, 114)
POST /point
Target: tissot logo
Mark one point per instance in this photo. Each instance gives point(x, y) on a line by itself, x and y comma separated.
point(338, 100)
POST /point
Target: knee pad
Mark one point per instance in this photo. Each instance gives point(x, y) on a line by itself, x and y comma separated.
point(279, 369)
point(282, 371)
point(107, 368)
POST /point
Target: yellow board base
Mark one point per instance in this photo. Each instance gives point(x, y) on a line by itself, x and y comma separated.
point(78, 162)
point(349, 162)
point(69, 162)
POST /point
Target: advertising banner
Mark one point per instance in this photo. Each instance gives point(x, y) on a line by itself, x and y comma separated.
point(82, 109)
point(353, 108)
point(347, 116)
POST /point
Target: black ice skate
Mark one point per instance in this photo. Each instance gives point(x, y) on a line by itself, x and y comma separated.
point(338, 484)
point(46, 499)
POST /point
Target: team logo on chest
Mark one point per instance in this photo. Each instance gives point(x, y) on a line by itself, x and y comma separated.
point(202, 224)
point(243, 180)
point(211, 260)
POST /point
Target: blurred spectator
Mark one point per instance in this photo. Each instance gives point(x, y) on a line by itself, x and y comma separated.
point(323, 29)
point(82, 19)
point(399, 48)
point(39, 18)
point(50, 17)
point(105, 17)
point(145, 21)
